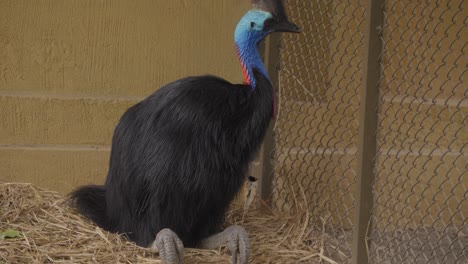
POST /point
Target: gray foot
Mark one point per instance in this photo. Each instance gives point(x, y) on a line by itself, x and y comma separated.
point(170, 247)
point(238, 243)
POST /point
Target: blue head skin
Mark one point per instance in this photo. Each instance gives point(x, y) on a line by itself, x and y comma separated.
point(253, 28)
point(249, 32)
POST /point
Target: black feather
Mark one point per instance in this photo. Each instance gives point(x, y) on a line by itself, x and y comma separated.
point(88, 200)
point(178, 159)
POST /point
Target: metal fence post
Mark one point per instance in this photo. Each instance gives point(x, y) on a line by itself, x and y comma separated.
point(367, 130)
point(272, 58)
point(262, 167)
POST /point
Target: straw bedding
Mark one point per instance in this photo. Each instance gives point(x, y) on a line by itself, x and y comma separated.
point(52, 232)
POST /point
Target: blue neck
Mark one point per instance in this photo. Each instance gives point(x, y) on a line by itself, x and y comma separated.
point(250, 58)
point(249, 32)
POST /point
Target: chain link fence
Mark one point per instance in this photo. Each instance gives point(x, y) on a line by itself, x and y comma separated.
point(317, 126)
point(420, 191)
point(420, 188)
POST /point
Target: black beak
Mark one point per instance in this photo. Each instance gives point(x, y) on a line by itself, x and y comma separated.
point(281, 26)
point(285, 26)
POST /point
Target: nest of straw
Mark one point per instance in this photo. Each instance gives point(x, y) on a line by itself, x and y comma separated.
point(52, 232)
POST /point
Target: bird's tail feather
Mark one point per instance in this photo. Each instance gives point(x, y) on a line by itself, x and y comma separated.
point(90, 201)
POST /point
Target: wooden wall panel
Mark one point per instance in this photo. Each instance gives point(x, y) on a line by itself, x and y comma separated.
point(70, 68)
point(54, 167)
point(62, 121)
point(115, 47)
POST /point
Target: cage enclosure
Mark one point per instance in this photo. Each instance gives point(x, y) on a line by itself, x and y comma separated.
point(365, 162)
point(371, 136)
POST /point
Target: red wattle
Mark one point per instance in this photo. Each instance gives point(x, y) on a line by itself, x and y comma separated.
point(247, 79)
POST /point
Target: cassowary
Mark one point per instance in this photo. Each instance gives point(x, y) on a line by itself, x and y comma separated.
point(180, 156)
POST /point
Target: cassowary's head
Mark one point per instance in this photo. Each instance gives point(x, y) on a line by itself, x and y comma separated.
point(268, 16)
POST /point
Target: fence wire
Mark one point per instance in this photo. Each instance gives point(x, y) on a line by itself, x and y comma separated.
point(420, 191)
point(317, 126)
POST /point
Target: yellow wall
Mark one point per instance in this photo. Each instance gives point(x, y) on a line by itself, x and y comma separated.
point(317, 127)
point(69, 69)
point(422, 125)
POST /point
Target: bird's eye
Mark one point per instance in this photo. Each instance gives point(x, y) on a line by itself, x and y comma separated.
point(252, 24)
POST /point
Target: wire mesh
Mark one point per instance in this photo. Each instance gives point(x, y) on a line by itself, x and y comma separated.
point(317, 126)
point(420, 190)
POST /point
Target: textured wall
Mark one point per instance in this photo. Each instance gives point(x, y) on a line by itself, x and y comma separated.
point(422, 126)
point(70, 68)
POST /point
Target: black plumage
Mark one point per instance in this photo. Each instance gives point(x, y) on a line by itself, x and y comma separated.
point(178, 159)
point(180, 156)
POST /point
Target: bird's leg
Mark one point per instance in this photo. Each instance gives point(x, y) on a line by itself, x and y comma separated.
point(170, 247)
point(237, 242)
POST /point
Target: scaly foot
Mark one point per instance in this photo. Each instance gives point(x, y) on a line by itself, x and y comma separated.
point(238, 242)
point(170, 247)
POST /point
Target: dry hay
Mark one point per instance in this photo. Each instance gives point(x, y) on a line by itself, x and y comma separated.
point(52, 232)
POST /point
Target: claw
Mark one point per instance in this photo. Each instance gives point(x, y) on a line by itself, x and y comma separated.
point(238, 243)
point(170, 247)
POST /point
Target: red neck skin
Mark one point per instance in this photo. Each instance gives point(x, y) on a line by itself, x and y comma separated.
point(248, 80)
